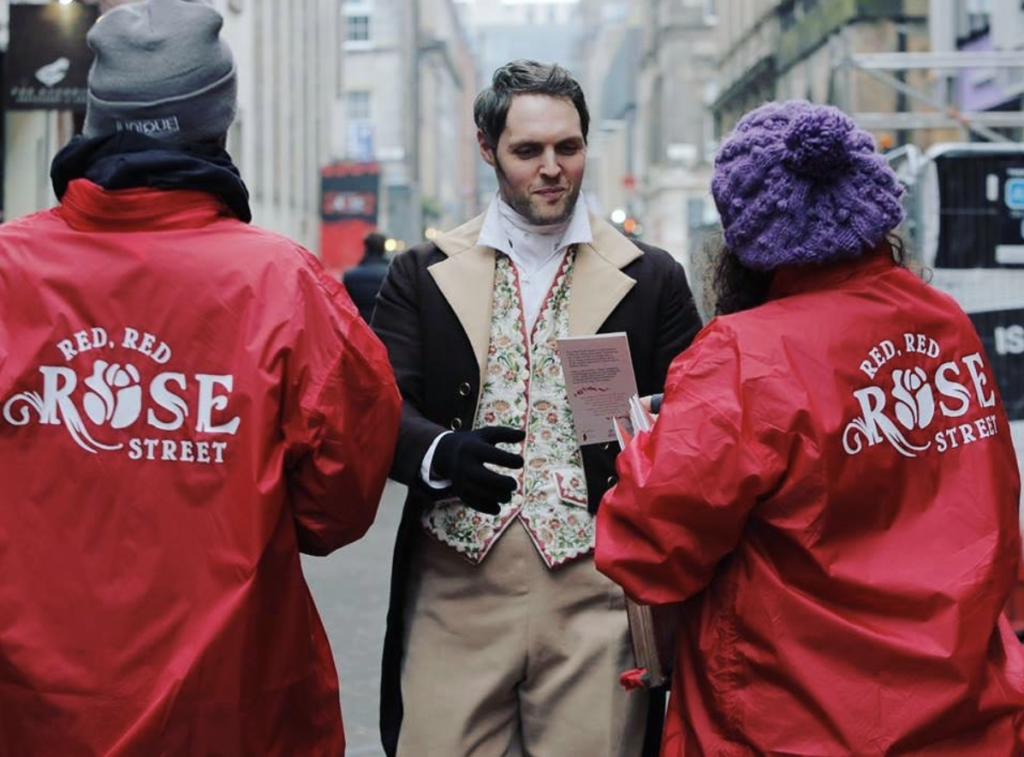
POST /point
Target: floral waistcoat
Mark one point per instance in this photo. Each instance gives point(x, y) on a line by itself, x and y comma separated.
point(524, 388)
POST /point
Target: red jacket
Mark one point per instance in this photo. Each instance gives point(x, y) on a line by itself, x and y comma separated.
point(832, 489)
point(185, 403)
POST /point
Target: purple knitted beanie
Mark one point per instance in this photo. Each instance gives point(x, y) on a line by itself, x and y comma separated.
point(799, 184)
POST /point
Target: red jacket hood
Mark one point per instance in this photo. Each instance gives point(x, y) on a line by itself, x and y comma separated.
point(88, 207)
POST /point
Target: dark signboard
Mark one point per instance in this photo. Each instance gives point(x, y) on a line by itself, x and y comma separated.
point(981, 220)
point(348, 212)
point(47, 58)
point(1002, 332)
point(1011, 232)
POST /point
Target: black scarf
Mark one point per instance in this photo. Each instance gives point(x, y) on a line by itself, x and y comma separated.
point(127, 160)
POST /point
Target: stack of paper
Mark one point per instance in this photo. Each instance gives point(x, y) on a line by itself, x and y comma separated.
point(652, 630)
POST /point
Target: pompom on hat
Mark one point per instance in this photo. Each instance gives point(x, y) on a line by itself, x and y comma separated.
point(800, 184)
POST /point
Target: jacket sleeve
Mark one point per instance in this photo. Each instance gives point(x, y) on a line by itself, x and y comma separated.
point(686, 488)
point(397, 320)
point(678, 324)
point(341, 414)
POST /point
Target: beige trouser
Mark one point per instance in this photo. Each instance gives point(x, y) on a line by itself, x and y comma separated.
point(508, 658)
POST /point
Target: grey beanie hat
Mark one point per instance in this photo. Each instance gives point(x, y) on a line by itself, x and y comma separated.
point(162, 70)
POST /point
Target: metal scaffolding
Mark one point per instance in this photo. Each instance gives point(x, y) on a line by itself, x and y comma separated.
point(879, 66)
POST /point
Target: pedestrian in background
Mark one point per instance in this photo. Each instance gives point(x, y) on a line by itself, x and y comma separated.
point(187, 403)
point(830, 486)
point(502, 637)
point(364, 280)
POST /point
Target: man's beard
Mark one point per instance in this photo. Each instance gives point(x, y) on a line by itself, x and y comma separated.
point(521, 202)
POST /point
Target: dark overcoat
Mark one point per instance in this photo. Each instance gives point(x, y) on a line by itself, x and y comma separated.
point(434, 315)
point(363, 282)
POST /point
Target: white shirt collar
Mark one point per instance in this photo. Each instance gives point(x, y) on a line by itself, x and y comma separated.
point(492, 234)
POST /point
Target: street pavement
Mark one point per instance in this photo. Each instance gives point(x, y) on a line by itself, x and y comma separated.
point(351, 592)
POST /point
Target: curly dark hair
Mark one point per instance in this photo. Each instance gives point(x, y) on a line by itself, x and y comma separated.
point(521, 77)
point(736, 287)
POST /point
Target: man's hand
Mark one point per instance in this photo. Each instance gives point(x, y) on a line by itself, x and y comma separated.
point(460, 457)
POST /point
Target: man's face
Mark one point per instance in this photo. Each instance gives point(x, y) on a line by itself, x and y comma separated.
point(540, 158)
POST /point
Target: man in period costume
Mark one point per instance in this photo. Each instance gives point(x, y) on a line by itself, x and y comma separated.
point(502, 637)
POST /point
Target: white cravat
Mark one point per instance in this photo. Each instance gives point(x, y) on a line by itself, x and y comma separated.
point(537, 253)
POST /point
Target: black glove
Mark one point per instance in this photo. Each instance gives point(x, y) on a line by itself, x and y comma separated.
point(460, 457)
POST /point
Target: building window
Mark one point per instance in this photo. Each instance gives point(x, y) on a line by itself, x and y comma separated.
point(357, 105)
point(357, 28)
point(787, 15)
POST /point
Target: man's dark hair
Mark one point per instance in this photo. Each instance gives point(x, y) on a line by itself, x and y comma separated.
point(373, 244)
point(525, 77)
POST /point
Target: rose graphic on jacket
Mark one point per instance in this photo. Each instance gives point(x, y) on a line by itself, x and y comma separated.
point(100, 403)
point(915, 402)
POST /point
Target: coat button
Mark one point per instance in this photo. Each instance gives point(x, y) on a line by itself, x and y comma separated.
point(465, 389)
point(606, 446)
point(612, 480)
point(456, 424)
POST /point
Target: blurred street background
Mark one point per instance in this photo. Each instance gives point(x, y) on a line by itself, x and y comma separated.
point(357, 115)
point(351, 592)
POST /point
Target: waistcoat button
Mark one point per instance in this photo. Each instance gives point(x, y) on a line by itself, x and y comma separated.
point(464, 389)
point(456, 424)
